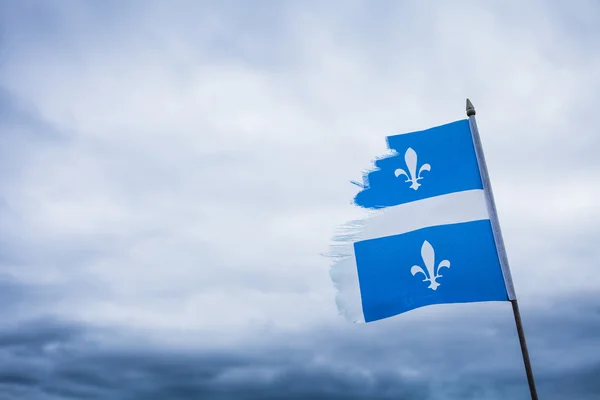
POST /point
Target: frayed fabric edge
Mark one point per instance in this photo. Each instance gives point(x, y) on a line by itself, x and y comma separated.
point(343, 272)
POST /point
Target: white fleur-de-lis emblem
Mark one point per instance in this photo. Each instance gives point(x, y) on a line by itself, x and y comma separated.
point(410, 158)
point(431, 273)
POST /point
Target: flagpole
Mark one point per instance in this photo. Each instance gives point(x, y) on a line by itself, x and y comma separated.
point(491, 206)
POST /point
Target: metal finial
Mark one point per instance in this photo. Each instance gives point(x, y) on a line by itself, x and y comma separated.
point(470, 108)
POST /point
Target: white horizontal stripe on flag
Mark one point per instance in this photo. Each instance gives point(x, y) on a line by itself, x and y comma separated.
point(451, 208)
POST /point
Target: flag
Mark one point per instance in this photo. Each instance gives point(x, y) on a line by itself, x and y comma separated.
point(428, 163)
point(430, 238)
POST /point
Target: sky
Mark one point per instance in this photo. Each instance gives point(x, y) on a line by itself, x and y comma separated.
point(171, 175)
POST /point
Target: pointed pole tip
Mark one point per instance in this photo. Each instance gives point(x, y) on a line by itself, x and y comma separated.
point(470, 108)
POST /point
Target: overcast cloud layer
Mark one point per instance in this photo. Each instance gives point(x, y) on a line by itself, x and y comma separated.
point(171, 174)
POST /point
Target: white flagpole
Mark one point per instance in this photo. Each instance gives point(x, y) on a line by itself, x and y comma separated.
point(491, 206)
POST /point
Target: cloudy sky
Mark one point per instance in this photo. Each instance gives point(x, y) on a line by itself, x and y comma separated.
point(171, 173)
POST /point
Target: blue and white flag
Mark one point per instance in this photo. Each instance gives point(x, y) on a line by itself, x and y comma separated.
point(429, 239)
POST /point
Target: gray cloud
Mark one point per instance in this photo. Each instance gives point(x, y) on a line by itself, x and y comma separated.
point(479, 359)
point(176, 172)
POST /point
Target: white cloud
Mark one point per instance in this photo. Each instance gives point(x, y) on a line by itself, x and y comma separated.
point(210, 183)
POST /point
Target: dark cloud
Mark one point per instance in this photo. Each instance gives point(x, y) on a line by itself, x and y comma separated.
point(462, 356)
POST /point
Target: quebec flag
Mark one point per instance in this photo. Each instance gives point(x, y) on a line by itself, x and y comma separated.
point(429, 239)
